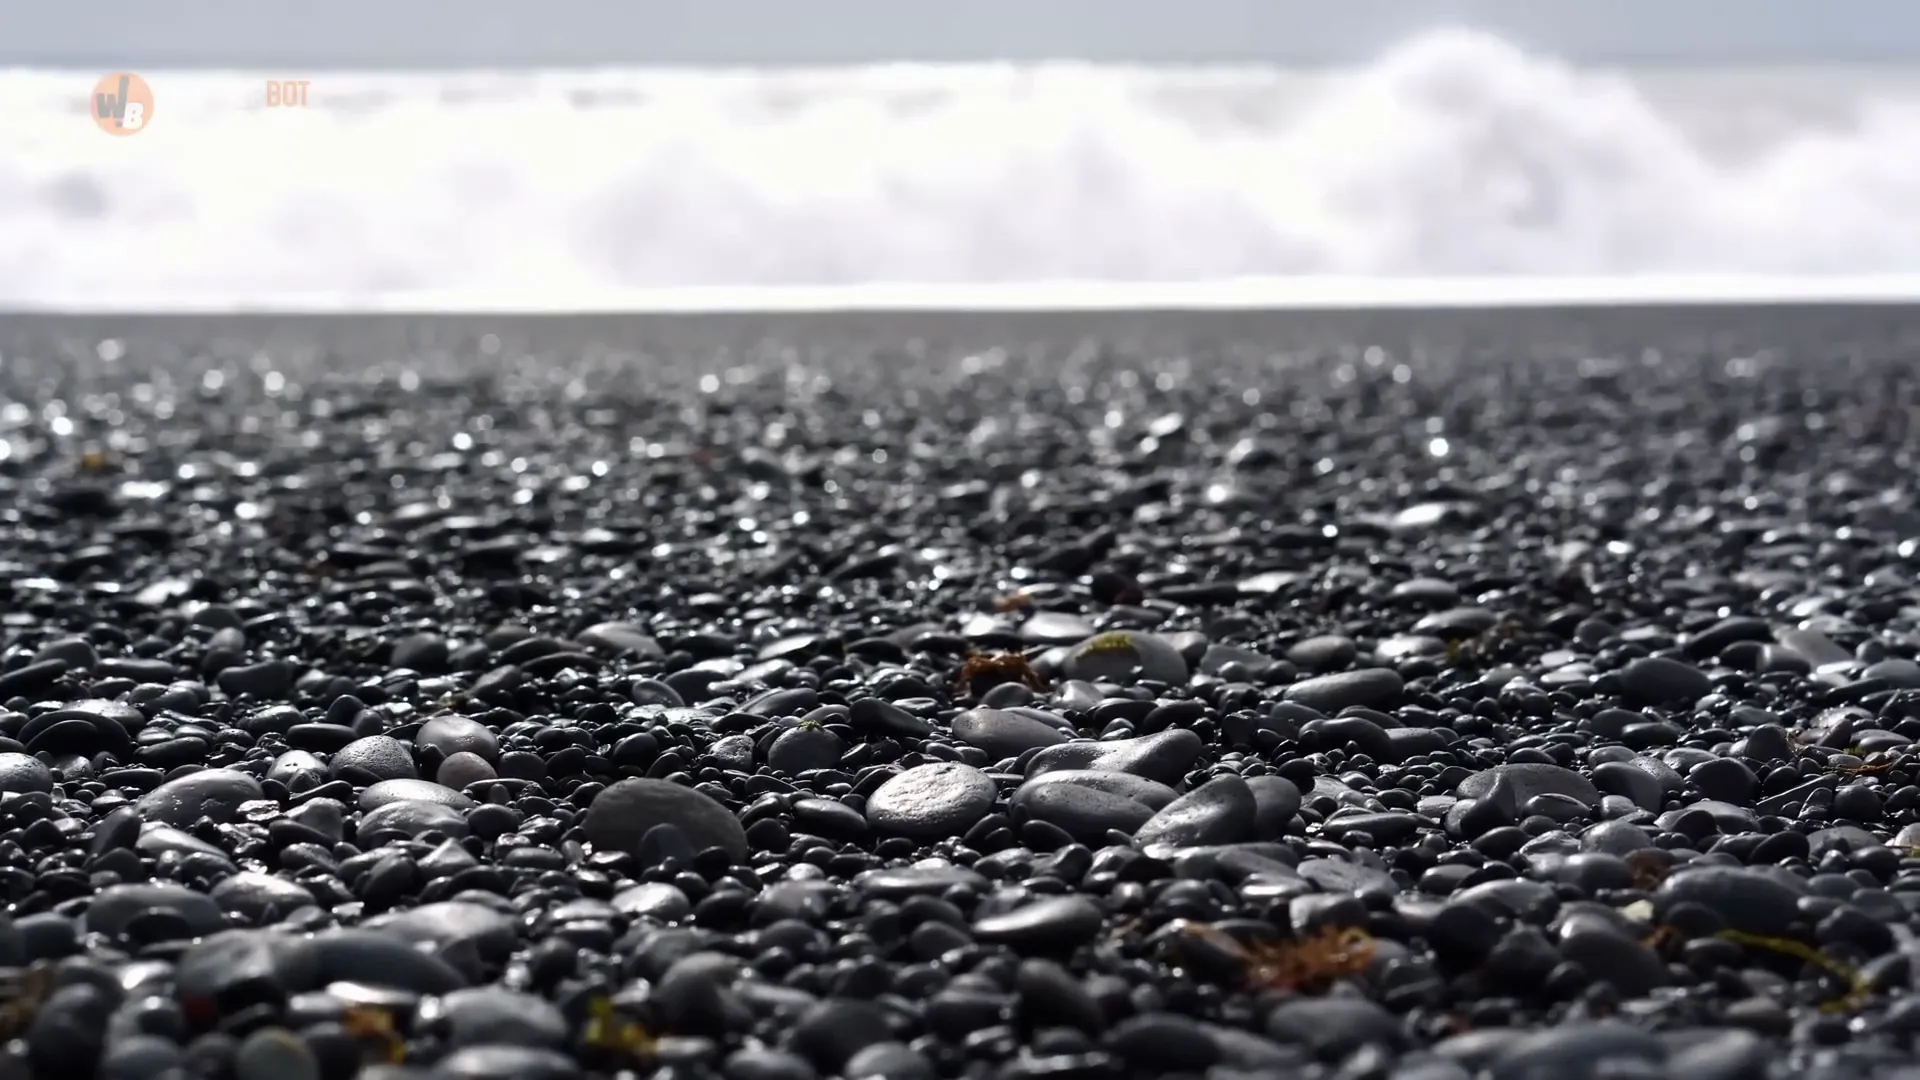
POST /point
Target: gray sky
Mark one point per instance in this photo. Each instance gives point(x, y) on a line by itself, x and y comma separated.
point(507, 33)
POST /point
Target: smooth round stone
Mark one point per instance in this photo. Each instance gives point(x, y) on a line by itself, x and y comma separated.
point(1165, 756)
point(1058, 923)
point(1575, 1049)
point(1084, 812)
point(732, 752)
point(1612, 957)
point(38, 936)
point(1728, 1052)
point(492, 1014)
point(1899, 673)
point(1338, 875)
point(1368, 687)
point(932, 802)
point(1616, 837)
point(664, 842)
point(274, 1054)
point(1454, 623)
point(1661, 680)
point(1163, 1043)
point(1276, 800)
point(427, 653)
point(1730, 820)
point(766, 1063)
point(413, 817)
point(888, 1061)
point(1386, 827)
point(118, 905)
point(385, 757)
point(459, 735)
point(830, 1033)
point(1004, 734)
point(1323, 652)
point(218, 967)
point(805, 749)
point(22, 774)
point(463, 769)
point(621, 815)
point(620, 639)
point(1749, 901)
point(143, 1057)
point(1124, 656)
point(686, 990)
point(1050, 995)
point(828, 817)
point(1670, 781)
point(886, 719)
point(1149, 793)
point(113, 725)
point(254, 896)
point(1055, 628)
point(920, 880)
point(1074, 696)
point(782, 702)
point(499, 1062)
point(1371, 738)
point(328, 817)
point(1233, 663)
point(266, 679)
point(1220, 811)
point(1590, 871)
point(411, 790)
point(449, 858)
point(1728, 631)
point(158, 839)
point(298, 770)
point(77, 737)
point(215, 794)
point(1528, 780)
point(655, 692)
point(1401, 647)
point(326, 738)
point(1726, 779)
point(652, 900)
point(1634, 784)
point(75, 652)
point(1335, 1027)
point(454, 923)
point(374, 958)
point(1427, 591)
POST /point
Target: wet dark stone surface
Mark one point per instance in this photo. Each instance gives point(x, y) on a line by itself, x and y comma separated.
point(1424, 696)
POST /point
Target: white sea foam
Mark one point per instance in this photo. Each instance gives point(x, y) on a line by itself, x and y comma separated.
point(1456, 169)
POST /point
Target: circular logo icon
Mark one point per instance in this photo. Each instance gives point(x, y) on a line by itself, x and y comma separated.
point(122, 104)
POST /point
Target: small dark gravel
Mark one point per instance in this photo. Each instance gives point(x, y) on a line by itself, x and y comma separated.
point(1428, 696)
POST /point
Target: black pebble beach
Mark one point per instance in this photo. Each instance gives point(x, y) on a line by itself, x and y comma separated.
point(1460, 695)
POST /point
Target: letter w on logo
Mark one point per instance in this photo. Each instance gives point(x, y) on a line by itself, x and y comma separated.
point(112, 106)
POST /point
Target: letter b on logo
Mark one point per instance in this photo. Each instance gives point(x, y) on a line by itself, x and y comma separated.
point(122, 104)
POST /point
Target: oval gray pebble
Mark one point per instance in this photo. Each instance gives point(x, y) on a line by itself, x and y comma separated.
point(623, 813)
point(1125, 656)
point(932, 802)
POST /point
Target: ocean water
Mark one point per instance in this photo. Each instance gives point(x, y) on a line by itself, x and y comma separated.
point(1456, 164)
